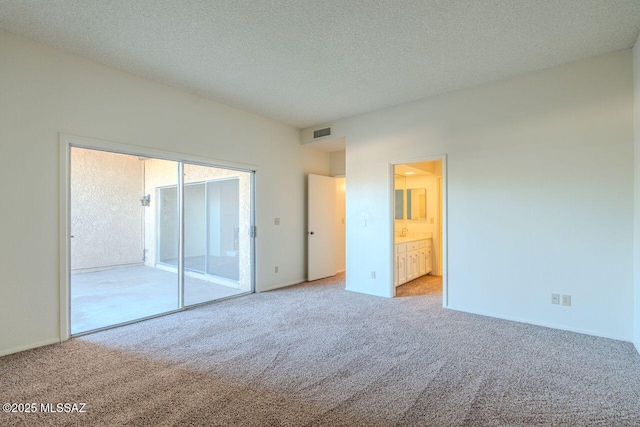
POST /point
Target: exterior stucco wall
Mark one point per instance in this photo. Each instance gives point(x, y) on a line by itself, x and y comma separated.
point(106, 214)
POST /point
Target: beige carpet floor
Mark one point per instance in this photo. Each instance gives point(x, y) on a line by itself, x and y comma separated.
point(316, 355)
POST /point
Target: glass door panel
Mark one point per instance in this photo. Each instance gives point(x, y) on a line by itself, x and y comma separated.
point(124, 229)
point(195, 228)
point(168, 231)
point(219, 233)
point(223, 212)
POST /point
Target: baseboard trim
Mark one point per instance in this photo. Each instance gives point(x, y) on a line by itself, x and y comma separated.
point(29, 346)
point(368, 292)
point(543, 324)
point(282, 285)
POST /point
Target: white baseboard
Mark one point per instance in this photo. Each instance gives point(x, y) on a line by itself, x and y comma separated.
point(29, 346)
point(544, 324)
point(281, 285)
point(368, 292)
point(284, 285)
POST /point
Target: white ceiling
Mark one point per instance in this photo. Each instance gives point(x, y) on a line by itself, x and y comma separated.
point(307, 62)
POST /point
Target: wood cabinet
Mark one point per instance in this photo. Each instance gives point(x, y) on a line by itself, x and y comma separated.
point(412, 260)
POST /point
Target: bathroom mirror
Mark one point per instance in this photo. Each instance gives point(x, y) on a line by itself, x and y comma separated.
point(416, 204)
point(399, 203)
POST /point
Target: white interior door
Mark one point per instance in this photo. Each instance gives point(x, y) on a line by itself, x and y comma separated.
point(321, 217)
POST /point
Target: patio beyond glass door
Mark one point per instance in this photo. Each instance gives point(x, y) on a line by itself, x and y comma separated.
point(217, 242)
point(152, 236)
point(114, 276)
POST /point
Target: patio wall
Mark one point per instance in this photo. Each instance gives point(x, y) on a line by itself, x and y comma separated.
point(106, 214)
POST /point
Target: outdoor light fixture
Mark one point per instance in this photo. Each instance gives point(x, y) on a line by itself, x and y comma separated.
point(145, 200)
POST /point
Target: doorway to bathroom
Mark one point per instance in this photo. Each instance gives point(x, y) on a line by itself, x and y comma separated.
point(149, 235)
point(419, 224)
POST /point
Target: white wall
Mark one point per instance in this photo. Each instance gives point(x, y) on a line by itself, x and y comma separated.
point(636, 263)
point(44, 91)
point(338, 159)
point(540, 193)
point(340, 224)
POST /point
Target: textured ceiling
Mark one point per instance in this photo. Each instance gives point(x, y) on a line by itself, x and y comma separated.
point(306, 62)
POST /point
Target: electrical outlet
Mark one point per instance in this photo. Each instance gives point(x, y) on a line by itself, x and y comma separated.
point(373, 274)
point(555, 298)
point(566, 299)
point(276, 268)
point(276, 221)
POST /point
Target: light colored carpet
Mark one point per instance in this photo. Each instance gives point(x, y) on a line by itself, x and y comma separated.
point(314, 354)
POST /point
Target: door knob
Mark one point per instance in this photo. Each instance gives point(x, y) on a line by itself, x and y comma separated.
point(311, 232)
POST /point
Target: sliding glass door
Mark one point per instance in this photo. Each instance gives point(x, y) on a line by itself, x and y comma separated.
point(217, 224)
point(151, 236)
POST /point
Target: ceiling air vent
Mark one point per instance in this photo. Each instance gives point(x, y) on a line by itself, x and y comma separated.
point(321, 132)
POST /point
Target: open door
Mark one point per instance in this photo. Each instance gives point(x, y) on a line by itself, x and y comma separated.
point(321, 217)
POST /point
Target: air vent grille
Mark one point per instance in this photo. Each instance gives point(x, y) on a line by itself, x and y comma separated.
point(321, 132)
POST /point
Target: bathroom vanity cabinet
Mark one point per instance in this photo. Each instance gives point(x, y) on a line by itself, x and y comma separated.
point(412, 260)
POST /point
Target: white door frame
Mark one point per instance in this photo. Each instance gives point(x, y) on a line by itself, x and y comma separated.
point(444, 218)
point(66, 143)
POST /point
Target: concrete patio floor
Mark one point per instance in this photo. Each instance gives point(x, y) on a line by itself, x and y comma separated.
point(108, 297)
